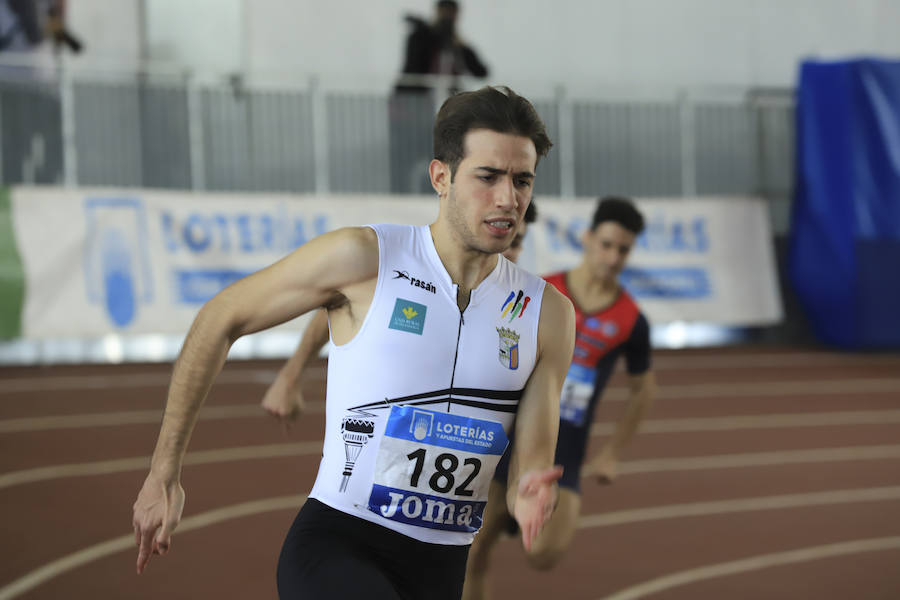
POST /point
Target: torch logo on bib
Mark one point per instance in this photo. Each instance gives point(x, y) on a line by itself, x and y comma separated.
point(509, 348)
point(356, 433)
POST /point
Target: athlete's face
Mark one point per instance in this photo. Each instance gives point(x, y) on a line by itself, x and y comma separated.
point(606, 249)
point(491, 190)
point(515, 249)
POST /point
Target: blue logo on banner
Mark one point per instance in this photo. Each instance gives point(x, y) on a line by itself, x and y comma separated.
point(446, 430)
point(200, 285)
point(408, 316)
point(667, 282)
point(117, 266)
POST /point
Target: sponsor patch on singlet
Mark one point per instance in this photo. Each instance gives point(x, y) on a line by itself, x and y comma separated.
point(408, 316)
point(576, 394)
point(433, 469)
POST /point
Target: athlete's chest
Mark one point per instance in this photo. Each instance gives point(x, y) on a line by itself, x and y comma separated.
point(600, 333)
point(489, 343)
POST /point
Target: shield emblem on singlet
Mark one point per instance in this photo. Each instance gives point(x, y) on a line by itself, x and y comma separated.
point(509, 348)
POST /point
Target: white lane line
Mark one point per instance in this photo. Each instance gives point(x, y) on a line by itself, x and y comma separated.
point(123, 381)
point(240, 411)
point(615, 393)
point(722, 461)
point(790, 360)
point(755, 563)
point(775, 421)
point(734, 390)
point(202, 457)
point(130, 417)
point(720, 507)
point(266, 376)
point(126, 542)
point(760, 459)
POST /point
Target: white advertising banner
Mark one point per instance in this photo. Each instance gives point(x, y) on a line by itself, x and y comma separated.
point(699, 259)
point(100, 261)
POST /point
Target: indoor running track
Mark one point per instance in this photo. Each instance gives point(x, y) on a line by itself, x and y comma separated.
point(760, 473)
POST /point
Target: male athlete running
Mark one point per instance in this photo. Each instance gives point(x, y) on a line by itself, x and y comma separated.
point(436, 337)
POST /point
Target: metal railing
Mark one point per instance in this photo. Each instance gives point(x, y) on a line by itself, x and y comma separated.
point(164, 130)
point(168, 129)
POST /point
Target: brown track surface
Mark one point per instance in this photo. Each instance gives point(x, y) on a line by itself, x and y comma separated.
point(54, 513)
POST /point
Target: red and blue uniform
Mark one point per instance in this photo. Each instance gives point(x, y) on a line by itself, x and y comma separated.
point(600, 337)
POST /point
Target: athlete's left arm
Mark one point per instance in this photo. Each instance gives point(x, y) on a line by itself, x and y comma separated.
point(642, 391)
point(531, 491)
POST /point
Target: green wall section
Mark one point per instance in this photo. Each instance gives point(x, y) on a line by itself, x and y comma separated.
point(12, 275)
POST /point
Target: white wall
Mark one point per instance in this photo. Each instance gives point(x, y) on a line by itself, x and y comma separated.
point(110, 30)
point(577, 42)
point(209, 32)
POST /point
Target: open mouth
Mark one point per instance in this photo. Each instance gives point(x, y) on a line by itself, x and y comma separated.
point(500, 227)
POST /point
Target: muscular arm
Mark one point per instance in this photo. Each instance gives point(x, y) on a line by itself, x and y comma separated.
point(307, 278)
point(532, 476)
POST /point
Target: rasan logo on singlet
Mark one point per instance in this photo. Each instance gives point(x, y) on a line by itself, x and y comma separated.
point(415, 281)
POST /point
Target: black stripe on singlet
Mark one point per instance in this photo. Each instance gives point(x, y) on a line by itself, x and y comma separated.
point(505, 400)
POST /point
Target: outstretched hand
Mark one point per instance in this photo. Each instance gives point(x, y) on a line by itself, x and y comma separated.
point(157, 512)
point(535, 499)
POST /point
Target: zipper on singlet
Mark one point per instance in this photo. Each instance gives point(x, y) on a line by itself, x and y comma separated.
point(462, 321)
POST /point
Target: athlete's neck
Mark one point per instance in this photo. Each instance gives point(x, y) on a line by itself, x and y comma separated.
point(592, 292)
point(467, 268)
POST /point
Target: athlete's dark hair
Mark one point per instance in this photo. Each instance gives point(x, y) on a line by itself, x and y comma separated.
point(531, 212)
point(621, 210)
point(496, 108)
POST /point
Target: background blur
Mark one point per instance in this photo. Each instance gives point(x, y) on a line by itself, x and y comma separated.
point(690, 99)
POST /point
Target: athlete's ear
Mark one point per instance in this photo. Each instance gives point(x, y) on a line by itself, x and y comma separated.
point(585, 236)
point(440, 175)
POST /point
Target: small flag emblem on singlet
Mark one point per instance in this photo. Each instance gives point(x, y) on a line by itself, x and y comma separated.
point(515, 305)
point(509, 348)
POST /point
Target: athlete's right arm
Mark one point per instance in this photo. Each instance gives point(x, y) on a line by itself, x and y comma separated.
point(336, 263)
point(284, 398)
point(531, 485)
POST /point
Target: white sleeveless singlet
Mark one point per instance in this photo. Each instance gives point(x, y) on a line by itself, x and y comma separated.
point(420, 401)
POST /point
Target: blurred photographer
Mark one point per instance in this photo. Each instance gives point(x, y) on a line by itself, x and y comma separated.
point(432, 49)
point(436, 49)
point(26, 24)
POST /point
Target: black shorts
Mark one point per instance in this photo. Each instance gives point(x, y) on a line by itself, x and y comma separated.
point(571, 446)
point(330, 554)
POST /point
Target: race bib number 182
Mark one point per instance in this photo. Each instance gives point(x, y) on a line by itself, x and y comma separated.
point(434, 469)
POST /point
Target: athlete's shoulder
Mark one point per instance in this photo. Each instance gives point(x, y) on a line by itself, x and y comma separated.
point(629, 312)
point(556, 304)
point(393, 231)
point(628, 300)
point(556, 328)
point(557, 280)
point(343, 241)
